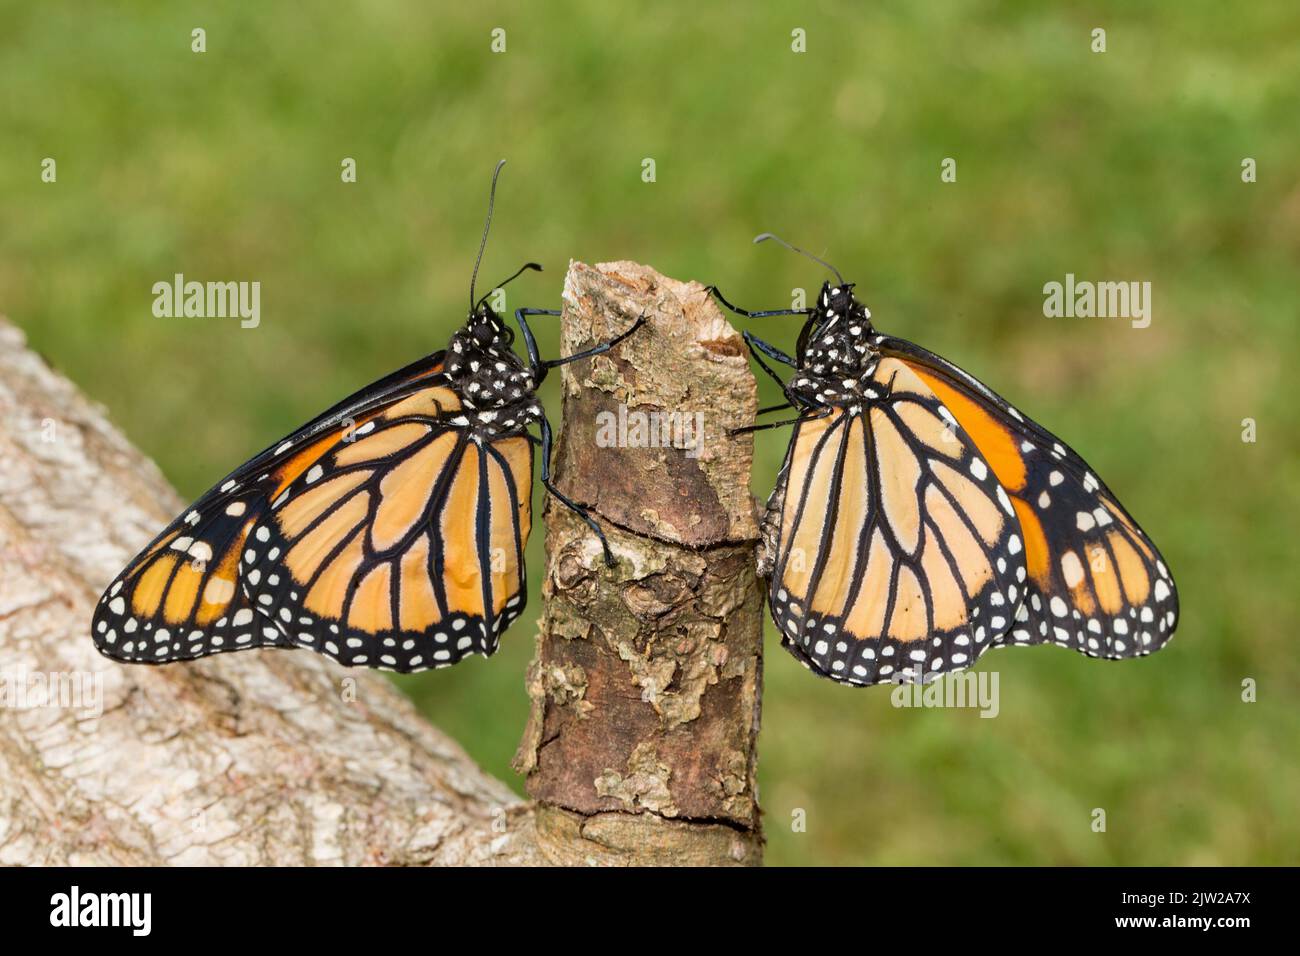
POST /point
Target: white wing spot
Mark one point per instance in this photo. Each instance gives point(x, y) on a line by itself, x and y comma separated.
point(219, 591)
point(1005, 502)
point(1071, 569)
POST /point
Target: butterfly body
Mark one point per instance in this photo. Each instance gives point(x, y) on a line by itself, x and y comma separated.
point(836, 357)
point(497, 390)
point(919, 519)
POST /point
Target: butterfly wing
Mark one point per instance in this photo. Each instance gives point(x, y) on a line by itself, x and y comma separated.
point(1096, 583)
point(896, 553)
point(403, 550)
point(222, 575)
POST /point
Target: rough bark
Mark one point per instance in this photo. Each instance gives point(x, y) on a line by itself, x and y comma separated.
point(647, 676)
point(269, 757)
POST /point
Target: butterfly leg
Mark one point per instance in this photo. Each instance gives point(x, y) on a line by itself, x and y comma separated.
point(596, 350)
point(534, 360)
point(580, 511)
point(757, 346)
point(538, 367)
point(749, 429)
point(716, 293)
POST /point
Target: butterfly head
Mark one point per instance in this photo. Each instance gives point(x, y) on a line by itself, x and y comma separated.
point(486, 330)
point(838, 334)
point(838, 300)
point(483, 367)
point(483, 337)
point(835, 352)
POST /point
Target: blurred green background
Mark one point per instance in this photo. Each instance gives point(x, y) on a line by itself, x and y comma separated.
point(1123, 165)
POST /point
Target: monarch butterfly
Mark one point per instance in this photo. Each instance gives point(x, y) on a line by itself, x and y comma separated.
point(388, 532)
point(919, 519)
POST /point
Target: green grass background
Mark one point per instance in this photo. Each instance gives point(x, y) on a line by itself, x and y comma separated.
point(1122, 165)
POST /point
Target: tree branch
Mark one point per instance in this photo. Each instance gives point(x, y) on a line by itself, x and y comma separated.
point(647, 677)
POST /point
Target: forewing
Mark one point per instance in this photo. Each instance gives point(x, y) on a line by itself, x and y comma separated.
point(1096, 582)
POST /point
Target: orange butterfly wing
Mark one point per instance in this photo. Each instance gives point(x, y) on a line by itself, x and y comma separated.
point(1096, 583)
point(375, 534)
point(895, 552)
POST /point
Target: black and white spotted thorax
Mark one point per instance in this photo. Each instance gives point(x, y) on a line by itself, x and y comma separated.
point(837, 351)
point(496, 388)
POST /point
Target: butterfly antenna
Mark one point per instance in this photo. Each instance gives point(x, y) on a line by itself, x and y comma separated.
point(535, 266)
point(762, 237)
point(492, 198)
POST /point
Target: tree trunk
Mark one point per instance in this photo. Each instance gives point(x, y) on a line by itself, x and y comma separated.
point(647, 676)
point(646, 686)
